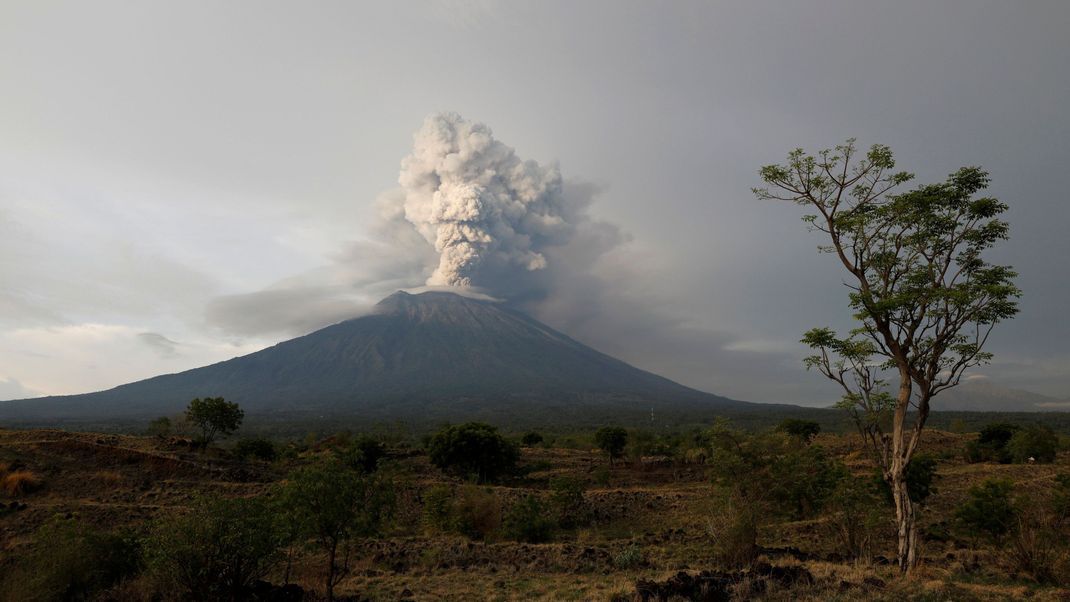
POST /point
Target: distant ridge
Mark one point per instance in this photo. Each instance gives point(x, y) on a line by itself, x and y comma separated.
point(434, 355)
point(985, 396)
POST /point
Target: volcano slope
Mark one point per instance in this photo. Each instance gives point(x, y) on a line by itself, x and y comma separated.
point(432, 356)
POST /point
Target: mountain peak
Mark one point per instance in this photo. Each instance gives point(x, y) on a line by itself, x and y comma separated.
point(429, 354)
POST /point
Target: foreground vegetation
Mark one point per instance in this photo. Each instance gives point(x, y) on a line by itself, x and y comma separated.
point(470, 513)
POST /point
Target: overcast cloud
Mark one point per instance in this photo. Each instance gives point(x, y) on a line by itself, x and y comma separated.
point(181, 183)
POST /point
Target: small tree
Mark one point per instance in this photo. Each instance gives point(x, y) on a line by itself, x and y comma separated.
point(473, 450)
point(924, 297)
point(214, 416)
point(612, 440)
point(803, 429)
point(333, 504)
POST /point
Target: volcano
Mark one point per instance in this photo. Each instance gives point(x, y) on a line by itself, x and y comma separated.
point(432, 356)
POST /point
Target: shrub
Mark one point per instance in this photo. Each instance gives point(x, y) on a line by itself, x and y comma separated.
point(19, 482)
point(989, 511)
point(478, 512)
point(161, 427)
point(991, 444)
point(1060, 498)
point(363, 454)
point(257, 447)
point(997, 434)
point(629, 557)
point(438, 510)
point(568, 506)
point(805, 430)
point(1036, 545)
point(71, 561)
point(612, 440)
point(1037, 442)
point(601, 476)
point(531, 439)
point(734, 530)
point(473, 450)
point(920, 474)
point(217, 550)
point(470, 511)
point(527, 521)
point(854, 517)
point(775, 472)
point(801, 479)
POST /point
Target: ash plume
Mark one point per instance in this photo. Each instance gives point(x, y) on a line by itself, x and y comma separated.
point(488, 213)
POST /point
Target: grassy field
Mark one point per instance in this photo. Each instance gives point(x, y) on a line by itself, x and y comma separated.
point(649, 519)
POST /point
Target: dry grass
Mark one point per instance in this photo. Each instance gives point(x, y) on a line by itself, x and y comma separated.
point(108, 477)
point(19, 482)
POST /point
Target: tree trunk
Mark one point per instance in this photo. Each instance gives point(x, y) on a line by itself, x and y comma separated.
point(330, 571)
point(905, 521)
point(896, 476)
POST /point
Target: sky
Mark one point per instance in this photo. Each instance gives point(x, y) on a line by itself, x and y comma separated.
point(185, 182)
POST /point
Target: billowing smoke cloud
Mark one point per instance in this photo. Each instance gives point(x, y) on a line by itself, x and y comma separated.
point(488, 213)
point(473, 216)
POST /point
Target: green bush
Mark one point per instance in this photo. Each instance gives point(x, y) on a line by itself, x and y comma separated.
point(991, 444)
point(256, 447)
point(217, 550)
point(71, 561)
point(363, 453)
point(989, 512)
point(531, 439)
point(473, 450)
point(1036, 442)
point(527, 521)
point(801, 479)
point(805, 430)
point(773, 471)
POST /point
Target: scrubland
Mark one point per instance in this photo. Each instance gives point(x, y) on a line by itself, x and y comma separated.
point(664, 521)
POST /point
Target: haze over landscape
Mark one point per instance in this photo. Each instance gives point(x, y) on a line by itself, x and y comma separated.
point(181, 184)
point(601, 301)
